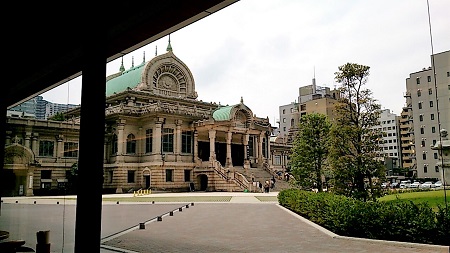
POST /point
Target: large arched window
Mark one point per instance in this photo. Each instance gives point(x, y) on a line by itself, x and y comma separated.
point(131, 144)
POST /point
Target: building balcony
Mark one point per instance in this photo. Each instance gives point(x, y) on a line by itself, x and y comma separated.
point(407, 94)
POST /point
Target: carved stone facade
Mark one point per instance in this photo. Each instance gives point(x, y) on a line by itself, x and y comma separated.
point(157, 136)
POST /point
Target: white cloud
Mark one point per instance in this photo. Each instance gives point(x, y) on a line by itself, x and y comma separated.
point(264, 50)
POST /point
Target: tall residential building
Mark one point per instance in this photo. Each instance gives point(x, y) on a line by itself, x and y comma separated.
point(390, 143)
point(39, 108)
point(311, 99)
point(428, 105)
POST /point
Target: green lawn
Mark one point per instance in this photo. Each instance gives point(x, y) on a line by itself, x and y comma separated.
point(434, 198)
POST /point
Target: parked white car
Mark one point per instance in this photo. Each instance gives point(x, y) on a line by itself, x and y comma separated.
point(438, 184)
point(428, 184)
point(404, 184)
point(414, 185)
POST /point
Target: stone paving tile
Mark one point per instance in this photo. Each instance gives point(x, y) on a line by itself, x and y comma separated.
point(244, 228)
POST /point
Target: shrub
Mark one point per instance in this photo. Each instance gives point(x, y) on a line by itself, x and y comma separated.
point(394, 220)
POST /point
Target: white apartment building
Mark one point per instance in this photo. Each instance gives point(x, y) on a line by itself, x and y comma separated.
point(390, 143)
point(428, 96)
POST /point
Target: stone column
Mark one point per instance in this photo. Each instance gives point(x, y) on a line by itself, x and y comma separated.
point(178, 137)
point(27, 139)
point(34, 144)
point(157, 138)
point(260, 149)
point(443, 147)
point(8, 138)
point(59, 146)
point(29, 183)
point(212, 145)
point(245, 142)
point(229, 162)
point(121, 141)
point(195, 145)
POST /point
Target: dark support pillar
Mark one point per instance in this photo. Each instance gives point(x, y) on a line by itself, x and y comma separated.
point(92, 131)
point(3, 109)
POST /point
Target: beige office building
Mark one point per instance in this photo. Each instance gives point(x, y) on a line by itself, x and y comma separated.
point(428, 106)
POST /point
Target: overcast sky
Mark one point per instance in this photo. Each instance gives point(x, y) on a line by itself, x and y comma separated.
point(264, 50)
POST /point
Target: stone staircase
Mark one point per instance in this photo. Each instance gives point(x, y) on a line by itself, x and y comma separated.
point(262, 175)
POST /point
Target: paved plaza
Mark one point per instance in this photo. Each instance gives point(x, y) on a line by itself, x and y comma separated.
point(187, 222)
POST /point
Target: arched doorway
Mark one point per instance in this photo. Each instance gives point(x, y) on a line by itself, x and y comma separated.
point(203, 182)
point(147, 178)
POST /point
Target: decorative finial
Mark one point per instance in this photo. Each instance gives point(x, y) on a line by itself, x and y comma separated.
point(122, 68)
point(242, 100)
point(169, 47)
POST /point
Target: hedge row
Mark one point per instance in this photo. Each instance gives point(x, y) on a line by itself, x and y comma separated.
point(393, 220)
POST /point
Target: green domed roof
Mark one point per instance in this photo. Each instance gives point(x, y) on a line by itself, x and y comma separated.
point(222, 113)
point(128, 79)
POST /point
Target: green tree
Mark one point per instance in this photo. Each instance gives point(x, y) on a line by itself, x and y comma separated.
point(59, 116)
point(355, 136)
point(310, 151)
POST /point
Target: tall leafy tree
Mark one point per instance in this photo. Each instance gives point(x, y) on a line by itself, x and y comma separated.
point(310, 151)
point(355, 136)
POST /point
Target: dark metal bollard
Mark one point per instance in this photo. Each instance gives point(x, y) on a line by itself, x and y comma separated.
point(159, 218)
point(171, 213)
point(43, 242)
point(35, 201)
point(153, 202)
point(192, 203)
point(17, 201)
point(180, 209)
point(117, 202)
point(142, 225)
point(57, 203)
point(187, 206)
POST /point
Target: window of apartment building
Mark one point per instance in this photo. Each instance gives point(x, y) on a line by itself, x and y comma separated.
point(284, 111)
point(292, 122)
point(425, 169)
point(448, 75)
point(169, 175)
point(46, 148)
point(419, 93)
point(420, 117)
point(434, 142)
point(435, 155)
point(424, 156)
point(303, 107)
point(284, 129)
point(70, 149)
point(423, 144)
point(433, 130)
point(431, 104)
point(186, 142)
point(292, 110)
point(432, 116)
point(284, 120)
point(417, 80)
point(436, 168)
point(390, 141)
point(148, 140)
point(130, 176)
point(430, 91)
point(420, 105)
point(131, 144)
point(429, 78)
point(167, 140)
point(114, 144)
point(187, 175)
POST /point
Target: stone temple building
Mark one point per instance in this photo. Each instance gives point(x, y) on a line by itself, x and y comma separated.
point(158, 136)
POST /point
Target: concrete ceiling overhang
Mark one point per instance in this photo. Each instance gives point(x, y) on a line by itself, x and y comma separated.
point(44, 40)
